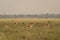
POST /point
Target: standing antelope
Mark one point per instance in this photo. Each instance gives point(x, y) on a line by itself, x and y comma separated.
point(46, 25)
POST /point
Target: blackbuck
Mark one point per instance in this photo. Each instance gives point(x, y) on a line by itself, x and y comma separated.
point(30, 25)
point(46, 25)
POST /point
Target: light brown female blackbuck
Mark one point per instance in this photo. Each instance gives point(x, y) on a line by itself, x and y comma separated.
point(30, 25)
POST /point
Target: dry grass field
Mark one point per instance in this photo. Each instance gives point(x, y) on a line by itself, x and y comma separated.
point(29, 29)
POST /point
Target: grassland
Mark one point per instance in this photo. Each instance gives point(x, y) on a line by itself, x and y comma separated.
point(11, 31)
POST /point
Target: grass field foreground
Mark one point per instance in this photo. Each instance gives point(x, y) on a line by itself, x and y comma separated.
point(11, 31)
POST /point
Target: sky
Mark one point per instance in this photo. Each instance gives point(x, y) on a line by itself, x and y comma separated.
point(29, 6)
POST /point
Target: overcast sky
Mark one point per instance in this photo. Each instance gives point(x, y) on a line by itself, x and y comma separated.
point(29, 6)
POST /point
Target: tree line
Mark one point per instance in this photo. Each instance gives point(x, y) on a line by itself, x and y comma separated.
point(31, 16)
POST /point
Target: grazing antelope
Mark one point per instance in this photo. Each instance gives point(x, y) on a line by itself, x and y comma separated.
point(30, 25)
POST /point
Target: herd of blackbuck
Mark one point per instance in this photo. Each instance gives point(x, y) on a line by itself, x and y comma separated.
point(44, 25)
point(31, 24)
